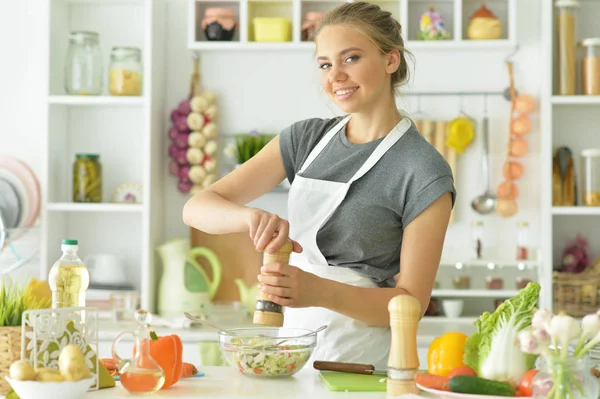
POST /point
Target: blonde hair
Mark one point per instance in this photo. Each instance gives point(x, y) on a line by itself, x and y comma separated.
point(377, 25)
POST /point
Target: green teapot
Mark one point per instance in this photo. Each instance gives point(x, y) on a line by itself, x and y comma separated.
point(184, 285)
point(247, 294)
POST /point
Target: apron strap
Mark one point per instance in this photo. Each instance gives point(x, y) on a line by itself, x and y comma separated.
point(382, 148)
point(322, 143)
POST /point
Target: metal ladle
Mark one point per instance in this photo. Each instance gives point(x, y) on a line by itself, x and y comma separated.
point(486, 202)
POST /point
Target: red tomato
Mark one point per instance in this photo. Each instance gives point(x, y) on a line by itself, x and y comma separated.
point(462, 370)
point(526, 385)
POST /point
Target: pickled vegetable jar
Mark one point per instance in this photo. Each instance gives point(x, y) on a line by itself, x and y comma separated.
point(125, 76)
point(87, 178)
point(591, 176)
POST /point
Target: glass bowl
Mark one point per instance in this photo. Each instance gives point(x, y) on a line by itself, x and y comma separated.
point(260, 352)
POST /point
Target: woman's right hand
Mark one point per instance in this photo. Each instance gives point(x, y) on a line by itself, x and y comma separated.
point(263, 226)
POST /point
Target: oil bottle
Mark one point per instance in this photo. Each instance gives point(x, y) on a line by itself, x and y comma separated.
point(69, 278)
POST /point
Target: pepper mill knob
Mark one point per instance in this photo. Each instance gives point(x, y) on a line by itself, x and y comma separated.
point(403, 362)
point(268, 313)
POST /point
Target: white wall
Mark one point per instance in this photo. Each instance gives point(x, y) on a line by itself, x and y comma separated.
point(269, 90)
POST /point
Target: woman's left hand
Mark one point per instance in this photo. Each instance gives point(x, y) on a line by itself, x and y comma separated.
point(293, 287)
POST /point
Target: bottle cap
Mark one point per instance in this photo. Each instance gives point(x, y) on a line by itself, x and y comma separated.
point(69, 242)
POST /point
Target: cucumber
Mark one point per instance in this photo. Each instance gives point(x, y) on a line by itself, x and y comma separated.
point(479, 386)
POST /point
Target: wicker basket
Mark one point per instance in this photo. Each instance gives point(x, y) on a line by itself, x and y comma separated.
point(577, 294)
point(10, 350)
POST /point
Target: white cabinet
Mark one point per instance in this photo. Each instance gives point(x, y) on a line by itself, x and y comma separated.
point(455, 12)
point(126, 131)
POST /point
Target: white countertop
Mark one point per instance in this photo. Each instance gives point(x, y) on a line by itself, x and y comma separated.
point(226, 383)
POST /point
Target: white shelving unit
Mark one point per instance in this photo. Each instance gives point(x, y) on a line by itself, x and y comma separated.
point(569, 120)
point(127, 132)
point(407, 12)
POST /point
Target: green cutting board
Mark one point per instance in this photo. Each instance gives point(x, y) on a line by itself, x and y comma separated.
point(336, 381)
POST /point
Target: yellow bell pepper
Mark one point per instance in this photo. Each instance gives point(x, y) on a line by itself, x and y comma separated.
point(38, 294)
point(446, 353)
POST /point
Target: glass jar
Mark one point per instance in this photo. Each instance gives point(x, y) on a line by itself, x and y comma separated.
point(87, 178)
point(461, 280)
point(566, 26)
point(83, 65)
point(477, 239)
point(591, 66)
point(591, 176)
point(125, 76)
point(309, 27)
point(563, 377)
point(494, 280)
point(522, 240)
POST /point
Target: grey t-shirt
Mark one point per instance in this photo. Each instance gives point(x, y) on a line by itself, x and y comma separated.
point(365, 231)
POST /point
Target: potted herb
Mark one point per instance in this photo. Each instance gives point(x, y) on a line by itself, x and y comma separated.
point(14, 300)
point(245, 146)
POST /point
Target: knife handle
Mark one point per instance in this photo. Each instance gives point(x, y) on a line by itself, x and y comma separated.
point(355, 368)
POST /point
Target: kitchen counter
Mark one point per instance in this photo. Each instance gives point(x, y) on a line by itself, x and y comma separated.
point(226, 383)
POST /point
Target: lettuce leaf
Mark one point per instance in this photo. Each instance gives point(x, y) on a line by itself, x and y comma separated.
point(493, 350)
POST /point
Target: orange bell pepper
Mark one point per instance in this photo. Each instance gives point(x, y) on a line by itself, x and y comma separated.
point(446, 353)
point(168, 353)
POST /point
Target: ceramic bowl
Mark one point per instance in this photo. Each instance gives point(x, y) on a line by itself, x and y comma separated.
point(257, 352)
point(452, 307)
point(50, 390)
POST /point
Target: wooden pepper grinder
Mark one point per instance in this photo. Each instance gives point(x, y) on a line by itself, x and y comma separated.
point(403, 362)
point(268, 313)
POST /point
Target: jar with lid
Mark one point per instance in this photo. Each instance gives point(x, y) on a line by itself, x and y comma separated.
point(591, 176)
point(590, 66)
point(83, 65)
point(494, 279)
point(566, 25)
point(219, 24)
point(522, 240)
point(460, 277)
point(87, 178)
point(477, 239)
point(125, 76)
point(310, 25)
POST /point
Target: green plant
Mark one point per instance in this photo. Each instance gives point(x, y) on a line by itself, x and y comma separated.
point(248, 145)
point(14, 300)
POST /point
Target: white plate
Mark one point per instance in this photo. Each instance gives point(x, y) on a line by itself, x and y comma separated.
point(21, 192)
point(456, 395)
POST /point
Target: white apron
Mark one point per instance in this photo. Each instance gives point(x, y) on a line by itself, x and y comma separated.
point(311, 203)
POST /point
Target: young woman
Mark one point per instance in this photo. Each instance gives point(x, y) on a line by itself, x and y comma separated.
point(369, 202)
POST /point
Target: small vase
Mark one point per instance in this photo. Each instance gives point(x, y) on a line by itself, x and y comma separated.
point(569, 378)
point(219, 24)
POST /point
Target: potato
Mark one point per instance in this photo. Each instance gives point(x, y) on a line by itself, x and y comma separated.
point(21, 370)
point(71, 364)
point(47, 370)
point(49, 377)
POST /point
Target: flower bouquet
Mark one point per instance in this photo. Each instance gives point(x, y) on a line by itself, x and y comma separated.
point(564, 370)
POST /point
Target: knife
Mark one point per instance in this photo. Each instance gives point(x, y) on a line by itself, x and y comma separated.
point(355, 368)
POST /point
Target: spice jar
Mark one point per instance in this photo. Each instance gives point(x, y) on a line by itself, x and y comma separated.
point(494, 280)
point(125, 76)
point(566, 25)
point(83, 65)
point(310, 25)
point(591, 176)
point(87, 178)
point(522, 240)
point(477, 238)
point(591, 66)
point(461, 279)
point(219, 24)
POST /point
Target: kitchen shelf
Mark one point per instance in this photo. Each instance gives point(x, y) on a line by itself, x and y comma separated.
point(447, 320)
point(490, 262)
point(407, 12)
point(576, 210)
point(467, 293)
point(97, 100)
point(574, 100)
point(93, 207)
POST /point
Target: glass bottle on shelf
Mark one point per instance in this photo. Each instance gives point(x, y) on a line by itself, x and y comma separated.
point(591, 66)
point(125, 71)
point(525, 275)
point(494, 280)
point(83, 65)
point(69, 278)
point(566, 28)
point(591, 176)
point(522, 240)
point(477, 239)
